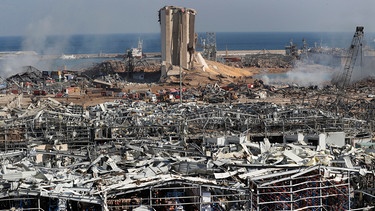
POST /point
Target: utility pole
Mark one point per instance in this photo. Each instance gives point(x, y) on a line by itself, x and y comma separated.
point(181, 41)
point(180, 85)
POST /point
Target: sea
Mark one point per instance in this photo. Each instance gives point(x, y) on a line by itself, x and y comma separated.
point(17, 51)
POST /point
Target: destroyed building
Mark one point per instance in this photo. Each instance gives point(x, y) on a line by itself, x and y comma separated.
point(237, 148)
point(29, 74)
point(133, 155)
point(310, 152)
point(178, 38)
point(266, 59)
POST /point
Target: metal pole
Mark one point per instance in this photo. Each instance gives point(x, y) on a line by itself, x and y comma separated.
point(291, 194)
point(200, 198)
point(5, 138)
point(348, 190)
point(179, 50)
point(251, 193)
point(320, 192)
point(258, 198)
point(180, 83)
point(150, 197)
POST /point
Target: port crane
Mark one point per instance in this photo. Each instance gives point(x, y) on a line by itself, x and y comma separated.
point(343, 80)
point(354, 49)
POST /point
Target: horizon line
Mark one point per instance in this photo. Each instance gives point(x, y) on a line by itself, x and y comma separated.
point(199, 32)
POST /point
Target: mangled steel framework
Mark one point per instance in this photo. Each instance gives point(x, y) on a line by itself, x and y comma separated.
point(289, 148)
point(132, 154)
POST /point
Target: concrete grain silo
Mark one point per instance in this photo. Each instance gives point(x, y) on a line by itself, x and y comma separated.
point(178, 37)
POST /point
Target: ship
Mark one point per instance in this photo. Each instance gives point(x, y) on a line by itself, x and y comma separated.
point(137, 52)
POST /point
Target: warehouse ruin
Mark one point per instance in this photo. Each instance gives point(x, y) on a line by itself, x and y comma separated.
point(238, 146)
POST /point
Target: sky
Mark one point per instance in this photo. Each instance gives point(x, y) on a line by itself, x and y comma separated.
point(23, 17)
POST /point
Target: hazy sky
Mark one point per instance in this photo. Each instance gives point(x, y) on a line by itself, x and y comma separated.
point(22, 17)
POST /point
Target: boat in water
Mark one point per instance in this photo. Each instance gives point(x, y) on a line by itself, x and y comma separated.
point(137, 52)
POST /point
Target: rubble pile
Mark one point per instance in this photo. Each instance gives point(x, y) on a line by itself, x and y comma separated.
point(268, 60)
point(29, 75)
point(239, 146)
point(139, 70)
point(224, 141)
point(130, 154)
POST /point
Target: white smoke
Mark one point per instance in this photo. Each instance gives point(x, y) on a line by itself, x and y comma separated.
point(39, 40)
point(363, 69)
point(37, 35)
point(12, 63)
point(36, 47)
point(314, 74)
point(303, 75)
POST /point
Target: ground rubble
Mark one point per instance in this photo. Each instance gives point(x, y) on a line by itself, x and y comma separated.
point(232, 155)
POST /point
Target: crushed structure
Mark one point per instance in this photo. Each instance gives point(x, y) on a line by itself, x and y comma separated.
point(193, 156)
point(235, 147)
point(265, 59)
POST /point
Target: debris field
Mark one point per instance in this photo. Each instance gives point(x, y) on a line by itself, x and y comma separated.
point(267, 148)
point(96, 141)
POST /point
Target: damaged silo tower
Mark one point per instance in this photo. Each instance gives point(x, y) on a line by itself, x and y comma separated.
point(177, 36)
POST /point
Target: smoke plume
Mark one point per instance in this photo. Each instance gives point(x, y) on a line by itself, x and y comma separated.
point(302, 75)
point(36, 46)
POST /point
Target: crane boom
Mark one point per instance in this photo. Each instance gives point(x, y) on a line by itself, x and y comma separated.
point(355, 48)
